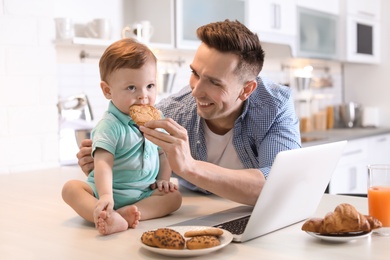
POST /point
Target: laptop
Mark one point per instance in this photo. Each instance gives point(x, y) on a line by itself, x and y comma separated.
point(292, 192)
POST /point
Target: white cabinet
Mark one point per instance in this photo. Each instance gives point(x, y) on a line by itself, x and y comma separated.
point(350, 175)
point(328, 6)
point(379, 149)
point(361, 30)
point(349, 179)
point(191, 14)
point(368, 8)
point(273, 20)
point(317, 34)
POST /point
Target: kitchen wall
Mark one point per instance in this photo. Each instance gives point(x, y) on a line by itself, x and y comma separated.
point(28, 77)
point(28, 86)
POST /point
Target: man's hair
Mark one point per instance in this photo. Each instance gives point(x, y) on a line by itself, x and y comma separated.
point(234, 37)
point(125, 53)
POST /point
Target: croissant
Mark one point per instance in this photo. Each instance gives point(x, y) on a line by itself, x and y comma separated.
point(374, 223)
point(344, 219)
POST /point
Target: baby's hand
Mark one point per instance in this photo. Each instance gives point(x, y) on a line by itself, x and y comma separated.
point(105, 203)
point(164, 185)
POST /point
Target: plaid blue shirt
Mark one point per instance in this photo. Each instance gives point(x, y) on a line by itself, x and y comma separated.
point(267, 125)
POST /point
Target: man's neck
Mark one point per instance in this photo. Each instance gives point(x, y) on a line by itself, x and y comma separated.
point(219, 127)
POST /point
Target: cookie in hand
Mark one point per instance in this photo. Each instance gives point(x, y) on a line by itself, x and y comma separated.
point(144, 113)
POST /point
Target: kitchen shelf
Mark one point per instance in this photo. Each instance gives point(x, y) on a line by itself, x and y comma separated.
point(93, 42)
point(84, 42)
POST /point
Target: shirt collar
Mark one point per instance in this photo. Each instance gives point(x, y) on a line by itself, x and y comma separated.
point(254, 100)
point(125, 119)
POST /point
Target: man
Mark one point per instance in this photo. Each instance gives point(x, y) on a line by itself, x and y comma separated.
point(226, 128)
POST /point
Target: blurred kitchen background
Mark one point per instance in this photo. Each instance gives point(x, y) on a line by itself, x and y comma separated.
point(49, 53)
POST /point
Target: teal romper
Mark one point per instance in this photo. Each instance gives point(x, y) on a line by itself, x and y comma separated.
point(136, 160)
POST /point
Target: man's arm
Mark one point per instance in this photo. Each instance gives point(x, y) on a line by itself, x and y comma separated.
point(242, 186)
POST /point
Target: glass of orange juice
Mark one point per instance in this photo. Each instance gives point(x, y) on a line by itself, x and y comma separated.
point(379, 196)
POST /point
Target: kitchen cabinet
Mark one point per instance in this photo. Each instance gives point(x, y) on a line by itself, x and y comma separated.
point(379, 149)
point(317, 34)
point(349, 179)
point(191, 14)
point(368, 8)
point(361, 31)
point(350, 175)
point(273, 20)
point(329, 6)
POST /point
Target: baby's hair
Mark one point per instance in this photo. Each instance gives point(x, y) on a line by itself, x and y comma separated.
point(125, 53)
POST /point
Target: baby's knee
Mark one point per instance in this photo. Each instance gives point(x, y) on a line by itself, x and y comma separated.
point(66, 189)
point(176, 196)
point(69, 189)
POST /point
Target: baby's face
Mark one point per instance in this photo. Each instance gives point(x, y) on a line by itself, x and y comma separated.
point(133, 86)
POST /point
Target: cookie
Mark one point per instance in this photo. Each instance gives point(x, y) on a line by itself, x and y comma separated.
point(168, 238)
point(144, 113)
point(204, 232)
point(201, 242)
point(147, 238)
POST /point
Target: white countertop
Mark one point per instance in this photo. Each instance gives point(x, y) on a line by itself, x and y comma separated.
point(339, 134)
point(37, 224)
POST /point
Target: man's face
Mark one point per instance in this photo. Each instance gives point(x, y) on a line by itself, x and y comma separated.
point(215, 87)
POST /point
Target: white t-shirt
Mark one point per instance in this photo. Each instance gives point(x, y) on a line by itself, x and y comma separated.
point(220, 150)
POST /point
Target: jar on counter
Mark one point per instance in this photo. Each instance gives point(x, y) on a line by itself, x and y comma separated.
point(305, 117)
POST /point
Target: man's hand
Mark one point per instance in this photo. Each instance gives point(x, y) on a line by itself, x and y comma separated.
point(175, 144)
point(84, 157)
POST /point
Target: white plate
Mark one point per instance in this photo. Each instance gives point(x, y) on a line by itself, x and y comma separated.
point(225, 239)
point(340, 238)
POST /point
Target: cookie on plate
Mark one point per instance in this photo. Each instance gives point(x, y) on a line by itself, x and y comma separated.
point(168, 238)
point(147, 238)
point(201, 242)
point(204, 232)
point(144, 113)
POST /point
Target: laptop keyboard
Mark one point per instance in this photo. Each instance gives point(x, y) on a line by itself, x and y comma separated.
point(236, 226)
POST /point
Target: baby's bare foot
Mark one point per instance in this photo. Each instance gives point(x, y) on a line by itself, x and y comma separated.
point(131, 215)
point(109, 224)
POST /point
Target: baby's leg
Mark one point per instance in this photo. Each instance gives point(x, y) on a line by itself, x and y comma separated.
point(159, 204)
point(111, 222)
point(131, 214)
point(79, 195)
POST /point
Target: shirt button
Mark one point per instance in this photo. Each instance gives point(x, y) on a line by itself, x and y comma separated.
point(146, 155)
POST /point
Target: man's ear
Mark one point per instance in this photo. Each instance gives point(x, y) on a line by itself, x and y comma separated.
point(106, 89)
point(249, 87)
